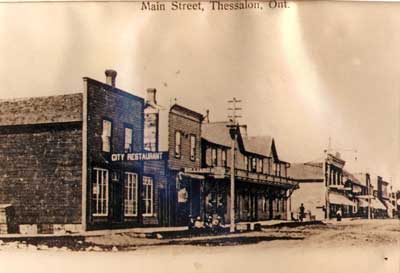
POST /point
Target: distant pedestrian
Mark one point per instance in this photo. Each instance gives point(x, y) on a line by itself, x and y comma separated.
point(339, 215)
point(302, 214)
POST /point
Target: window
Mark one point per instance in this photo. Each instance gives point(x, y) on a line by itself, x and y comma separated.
point(193, 148)
point(260, 165)
point(253, 164)
point(264, 204)
point(277, 204)
point(246, 162)
point(214, 157)
point(100, 192)
point(269, 165)
point(148, 195)
point(130, 200)
point(150, 132)
point(178, 140)
point(224, 158)
point(128, 140)
point(106, 135)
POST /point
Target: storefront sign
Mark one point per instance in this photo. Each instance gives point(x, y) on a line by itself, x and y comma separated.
point(217, 171)
point(139, 156)
point(198, 170)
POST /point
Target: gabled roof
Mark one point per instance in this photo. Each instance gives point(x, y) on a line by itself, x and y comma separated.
point(258, 145)
point(41, 110)
point(306, 171)
point(217, 133)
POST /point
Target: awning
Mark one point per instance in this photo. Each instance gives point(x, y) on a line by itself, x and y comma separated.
point(339, 199)
point(376, 204)
point(362, 203)
point(389, 205)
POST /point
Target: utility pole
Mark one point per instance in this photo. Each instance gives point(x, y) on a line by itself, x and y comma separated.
point(326, 183)
point(234, 126)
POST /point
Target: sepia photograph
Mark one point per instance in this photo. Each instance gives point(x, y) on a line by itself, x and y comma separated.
point(199, 136)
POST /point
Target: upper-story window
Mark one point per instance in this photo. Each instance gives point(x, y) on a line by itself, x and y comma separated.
point(150, 132)
point(106, 136)
point(178, 144)
point(193, 147)
point(214, 161)
point(253, 164)
point(269, 165)
point(128, 147)
point(246, 162)
point(224, 158)
point(260, 167)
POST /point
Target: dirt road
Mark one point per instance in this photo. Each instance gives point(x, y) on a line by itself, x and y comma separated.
point(356, 246)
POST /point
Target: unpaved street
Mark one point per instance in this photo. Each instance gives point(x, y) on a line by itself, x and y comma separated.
point(359, 246)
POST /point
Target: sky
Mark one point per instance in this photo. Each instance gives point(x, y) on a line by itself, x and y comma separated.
point(313, 72)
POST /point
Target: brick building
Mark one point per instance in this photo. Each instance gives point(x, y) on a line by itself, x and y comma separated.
point(77, 162)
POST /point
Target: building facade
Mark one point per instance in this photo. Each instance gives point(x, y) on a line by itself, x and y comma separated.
point(324, 188)
point(77, 162)
point(262, 188)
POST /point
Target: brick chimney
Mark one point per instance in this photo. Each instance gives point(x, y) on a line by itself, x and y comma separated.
point(110, 77)
point(151, 95)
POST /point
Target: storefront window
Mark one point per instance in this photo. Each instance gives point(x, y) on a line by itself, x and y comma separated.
point(100, 192)
point(130, 200)
point(148, 196)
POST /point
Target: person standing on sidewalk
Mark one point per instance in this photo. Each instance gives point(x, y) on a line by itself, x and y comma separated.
point(339, 215)
point(302, 215)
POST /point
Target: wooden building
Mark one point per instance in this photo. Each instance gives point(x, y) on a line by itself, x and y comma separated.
point(262, 187)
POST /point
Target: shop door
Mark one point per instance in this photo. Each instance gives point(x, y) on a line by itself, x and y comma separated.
point(195, 199)
point(116, 201)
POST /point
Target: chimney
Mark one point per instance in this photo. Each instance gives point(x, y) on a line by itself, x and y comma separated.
point(207, 116)
point(110, 77)
point(151, 95)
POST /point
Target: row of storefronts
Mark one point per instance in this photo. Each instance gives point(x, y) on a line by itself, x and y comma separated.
point(325, 188)
point(95, 160)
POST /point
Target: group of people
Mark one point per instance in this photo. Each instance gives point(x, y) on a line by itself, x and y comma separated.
point(213, 223)
point(302, 214)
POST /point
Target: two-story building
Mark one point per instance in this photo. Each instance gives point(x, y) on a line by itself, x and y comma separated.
point(262, 188)
point(76, 162)
point(322, 186)
point(384, 196)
